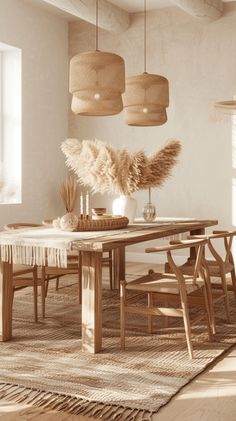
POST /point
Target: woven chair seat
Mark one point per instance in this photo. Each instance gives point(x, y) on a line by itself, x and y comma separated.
point(214, 270)
point(167, 284)
point(21, 269)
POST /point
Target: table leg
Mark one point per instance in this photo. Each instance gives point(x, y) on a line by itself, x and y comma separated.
point(91, 301)
point(192, 256)
point(6, 298)
point(119, 266)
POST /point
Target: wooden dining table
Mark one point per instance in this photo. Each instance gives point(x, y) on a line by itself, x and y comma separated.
point(91, 250)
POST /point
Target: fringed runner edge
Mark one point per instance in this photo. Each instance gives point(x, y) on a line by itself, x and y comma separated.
point(33, 255)
point(71, 404)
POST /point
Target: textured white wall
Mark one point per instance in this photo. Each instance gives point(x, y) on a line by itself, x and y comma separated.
point(43, 39)
point(199, 60)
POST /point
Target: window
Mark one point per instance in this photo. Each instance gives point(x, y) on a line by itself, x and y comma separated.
point(10, 124)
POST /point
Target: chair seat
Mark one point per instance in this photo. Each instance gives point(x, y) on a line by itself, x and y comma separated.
point(214, 270)
point(22, 269)
point(163, 283)
point(19, 283)
point(72, 268)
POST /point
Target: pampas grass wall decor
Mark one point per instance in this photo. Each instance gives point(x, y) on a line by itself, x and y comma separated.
point(103, 169)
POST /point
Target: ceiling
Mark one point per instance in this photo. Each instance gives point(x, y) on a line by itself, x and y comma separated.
point(133, 6)
point(130, 6)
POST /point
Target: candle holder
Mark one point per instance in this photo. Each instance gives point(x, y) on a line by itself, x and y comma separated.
point(149, 210)
point(87, 205)
point(84, 213)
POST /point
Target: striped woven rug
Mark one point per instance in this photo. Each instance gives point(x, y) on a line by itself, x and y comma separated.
point(44, 365)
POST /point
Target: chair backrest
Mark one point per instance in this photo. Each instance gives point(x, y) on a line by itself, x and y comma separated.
point(227, 236)
point(198, 244)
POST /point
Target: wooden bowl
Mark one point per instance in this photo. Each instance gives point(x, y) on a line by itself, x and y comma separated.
point(99, 211)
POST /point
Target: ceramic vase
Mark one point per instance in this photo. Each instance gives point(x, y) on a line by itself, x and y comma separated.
point(125, 206)
point(69, 222)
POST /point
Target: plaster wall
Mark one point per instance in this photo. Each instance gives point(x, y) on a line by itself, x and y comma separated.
point(43, 39)
point(199, 60)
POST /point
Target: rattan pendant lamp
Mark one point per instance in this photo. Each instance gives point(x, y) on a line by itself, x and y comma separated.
point(146, 96)
point(227, 107)
point(97, 81)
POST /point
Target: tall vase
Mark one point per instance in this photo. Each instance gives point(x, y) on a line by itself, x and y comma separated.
point(125, 206)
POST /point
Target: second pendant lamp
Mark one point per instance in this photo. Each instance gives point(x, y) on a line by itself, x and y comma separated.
point(97, 80)
point(146, 96)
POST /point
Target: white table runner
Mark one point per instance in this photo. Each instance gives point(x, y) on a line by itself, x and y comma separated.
point(36, 246)
point(44, 245)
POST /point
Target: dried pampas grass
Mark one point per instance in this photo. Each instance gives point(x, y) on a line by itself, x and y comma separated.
point(68, 192)
point(102, 169)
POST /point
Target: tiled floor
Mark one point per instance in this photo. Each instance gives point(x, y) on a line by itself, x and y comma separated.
point(210, 397)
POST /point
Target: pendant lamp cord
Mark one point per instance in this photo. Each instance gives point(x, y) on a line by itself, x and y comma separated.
point(96, 26)
point(145, 38)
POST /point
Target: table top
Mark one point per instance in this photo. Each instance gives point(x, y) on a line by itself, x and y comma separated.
point(35, 246)
point(142, 231)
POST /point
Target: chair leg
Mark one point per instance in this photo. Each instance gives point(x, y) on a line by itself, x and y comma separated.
point(43, 289)
point(207, 279)
point(110, 269)
point(35, 287)
point(122, 313)
point(80, 277)
point(184, 305)
point(208, 314)
point(166, 318)
point(150, 304)
point(226, 297)
point(57, 283)
point(46, 285)
point(233, 277)
point(188, 332)
point(13, 293)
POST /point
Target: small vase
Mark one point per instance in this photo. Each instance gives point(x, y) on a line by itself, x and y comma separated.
point(69, 222)
point(149, 210)
point(125, 206)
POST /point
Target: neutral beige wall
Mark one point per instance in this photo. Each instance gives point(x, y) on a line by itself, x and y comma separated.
point(199, 60)
point(43, 38)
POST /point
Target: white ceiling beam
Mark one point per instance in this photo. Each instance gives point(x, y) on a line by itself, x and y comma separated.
point(110, 17)
point(202, 9)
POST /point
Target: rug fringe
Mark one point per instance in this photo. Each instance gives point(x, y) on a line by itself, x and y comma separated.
point(71, 404)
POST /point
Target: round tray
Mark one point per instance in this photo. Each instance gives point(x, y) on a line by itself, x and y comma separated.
point(111, 223)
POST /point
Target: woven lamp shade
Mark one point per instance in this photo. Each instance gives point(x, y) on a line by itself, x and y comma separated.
point(97, 80)
point(145, 100)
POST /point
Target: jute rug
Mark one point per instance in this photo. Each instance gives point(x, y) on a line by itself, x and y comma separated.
point(44, 365)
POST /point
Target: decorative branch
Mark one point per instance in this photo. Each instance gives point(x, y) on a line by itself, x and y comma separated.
point(102, 169)
point(68, 191)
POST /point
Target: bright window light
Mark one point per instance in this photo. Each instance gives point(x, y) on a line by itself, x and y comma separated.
point(10, 124)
